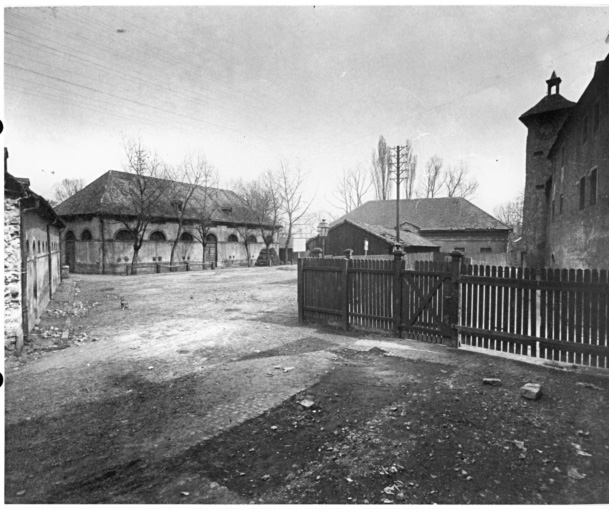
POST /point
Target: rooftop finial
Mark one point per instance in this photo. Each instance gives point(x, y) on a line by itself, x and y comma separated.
point(554, 81)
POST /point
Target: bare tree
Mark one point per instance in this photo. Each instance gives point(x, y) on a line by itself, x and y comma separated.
point(433, 178)
point(184, 182)
point(511, 214)
point(293, 206)
point(204, 204)
point(351, 189)
point(410, 167)
point(142, 193)
point(262, 197)
point(380, 171)
point(457, 182)
point(66, 188)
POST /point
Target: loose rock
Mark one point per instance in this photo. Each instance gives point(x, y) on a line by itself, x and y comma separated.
point(492, 382)
point(531, 391)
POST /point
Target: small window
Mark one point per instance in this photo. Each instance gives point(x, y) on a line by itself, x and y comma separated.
point(233, 238)
point(593, 178)
point(252, 239)
point(486, 249)
point(39, 250)
point(70, 236)
point(27, 246)
point(582, 193)
point(585, 130)
point(596, 117)
point(157, 236)
point(178, 206)
point(186, 237)
point(124, 235)
point(562, 204)
point(211, 239)
point(227, 209)
point(86, 235)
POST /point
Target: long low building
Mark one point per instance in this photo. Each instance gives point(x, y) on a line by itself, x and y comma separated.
point(32, 270)
point(98, 218)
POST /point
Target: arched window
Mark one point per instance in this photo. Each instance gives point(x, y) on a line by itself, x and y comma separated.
point(124, 235)
point(27, 246)
point(186, 237)
point(157, 236)
point(86, 235)
point(211, 239)
point(233, 238)
point(38, 246)
point(252, 239)
point(70, 236)
point(268, 239)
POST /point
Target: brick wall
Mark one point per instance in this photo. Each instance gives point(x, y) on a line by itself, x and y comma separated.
point(13, 331)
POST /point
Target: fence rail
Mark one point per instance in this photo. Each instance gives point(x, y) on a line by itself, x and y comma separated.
point(554, 314)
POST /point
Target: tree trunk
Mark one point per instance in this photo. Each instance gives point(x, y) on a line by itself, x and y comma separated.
point(136, 250)
point(203, 256)
point(247, 252)
point(287, 242)
point(175, 244)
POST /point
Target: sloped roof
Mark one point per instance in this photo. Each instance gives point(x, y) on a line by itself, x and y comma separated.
point(601, 73)
point(20, 187)
point(429, 214)
point(548, 103)
point(110, 195)
point(407, 238)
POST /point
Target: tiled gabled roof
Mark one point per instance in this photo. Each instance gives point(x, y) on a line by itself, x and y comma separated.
point(430, 214)
point(110, 195)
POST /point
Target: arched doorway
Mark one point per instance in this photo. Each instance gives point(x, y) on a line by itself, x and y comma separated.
point(71, 250)
point(211, 252)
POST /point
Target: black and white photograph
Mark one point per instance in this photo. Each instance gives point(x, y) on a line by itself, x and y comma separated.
point(305, 254)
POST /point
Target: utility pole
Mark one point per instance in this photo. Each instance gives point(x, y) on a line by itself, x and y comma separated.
point(399, 168)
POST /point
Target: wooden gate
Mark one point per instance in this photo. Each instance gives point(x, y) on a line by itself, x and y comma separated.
point(426, 294)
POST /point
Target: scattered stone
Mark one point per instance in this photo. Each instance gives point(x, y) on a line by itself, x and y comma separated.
point(287, 369)
point(588, 385)
point(581, 433)
point(20, 493)
point(579, 451)
point(575, 475)
point(274, 427)
point(492, 382)
point(151, 367)
point(214, 485)
point(531, 391)
point(266, 477)
point(184, 493)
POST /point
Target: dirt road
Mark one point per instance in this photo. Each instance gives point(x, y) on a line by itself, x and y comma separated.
point(194, 394)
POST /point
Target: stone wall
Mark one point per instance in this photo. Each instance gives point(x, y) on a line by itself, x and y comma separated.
point(13, 331)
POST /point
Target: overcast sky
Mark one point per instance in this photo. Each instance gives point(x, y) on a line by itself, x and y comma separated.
point(248, 86)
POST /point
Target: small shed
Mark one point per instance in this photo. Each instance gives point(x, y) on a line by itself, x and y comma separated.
point(380, 240)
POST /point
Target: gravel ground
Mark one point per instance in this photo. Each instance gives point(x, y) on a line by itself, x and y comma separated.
point(194, 394)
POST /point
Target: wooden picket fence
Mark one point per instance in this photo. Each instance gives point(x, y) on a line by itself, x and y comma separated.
point(558, 315)
point(555, 314)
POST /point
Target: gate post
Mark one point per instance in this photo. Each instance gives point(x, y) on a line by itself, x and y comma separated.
point(397, 292)
point(345, 290)
point(453, 300)
point(300, 290)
